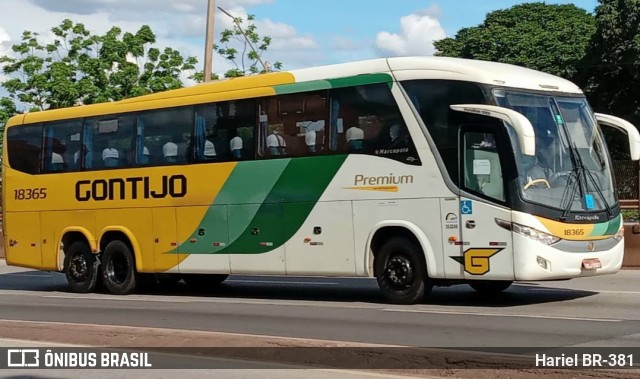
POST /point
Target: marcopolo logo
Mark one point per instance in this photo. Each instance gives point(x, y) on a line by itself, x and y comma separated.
point(142, 187)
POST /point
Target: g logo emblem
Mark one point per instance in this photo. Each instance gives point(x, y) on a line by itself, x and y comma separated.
point(476, 261)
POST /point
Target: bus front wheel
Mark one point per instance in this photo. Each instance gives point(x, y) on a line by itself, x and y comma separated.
point(490, 286)
point(118, 268)
point(400, 272)
point(81, 267)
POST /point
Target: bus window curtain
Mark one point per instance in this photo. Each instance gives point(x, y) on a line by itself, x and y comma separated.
point(335, 110)
point(87, 149)
point(49, 138)
point(200, 137)
point(140, 142)
point(263, 133)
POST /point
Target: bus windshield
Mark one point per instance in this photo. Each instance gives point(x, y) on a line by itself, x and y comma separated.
point(570, 170)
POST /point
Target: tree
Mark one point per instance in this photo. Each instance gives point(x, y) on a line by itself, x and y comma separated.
point(7, 109)
point(244, 47)
point(545, 37)
point(80, 68)
point(611, 68)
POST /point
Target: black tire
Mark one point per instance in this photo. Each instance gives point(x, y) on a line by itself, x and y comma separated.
point(81, 267)
point(118, 268)
point(401, 272)
point(204, 281)
point(490, 286)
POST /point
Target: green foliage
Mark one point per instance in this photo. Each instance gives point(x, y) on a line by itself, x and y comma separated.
point(244, 53)
point(611, 74)
point(7, 109)
point(78, 67)
point(545, 37)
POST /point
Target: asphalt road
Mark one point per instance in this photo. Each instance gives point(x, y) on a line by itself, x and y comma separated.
point(600, 311)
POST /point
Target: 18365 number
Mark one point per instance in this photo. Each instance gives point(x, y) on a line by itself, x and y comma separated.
point(30, 194)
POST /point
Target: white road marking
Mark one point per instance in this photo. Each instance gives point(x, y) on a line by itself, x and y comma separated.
point(501, 315)
point(280, 282)
point(122, 298)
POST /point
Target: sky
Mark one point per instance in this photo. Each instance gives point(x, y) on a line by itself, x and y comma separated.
point(304, 33)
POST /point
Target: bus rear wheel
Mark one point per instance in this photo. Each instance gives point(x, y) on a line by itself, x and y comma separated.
point(400, 272)
point(490, 286)
point(204, 281)
point(118, 268)
point(81, 267)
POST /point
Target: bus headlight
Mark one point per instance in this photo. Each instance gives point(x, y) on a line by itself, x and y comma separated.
point(620, 235)
point(535, 234)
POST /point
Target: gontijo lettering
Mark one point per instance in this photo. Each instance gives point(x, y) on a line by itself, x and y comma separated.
point(131, 188)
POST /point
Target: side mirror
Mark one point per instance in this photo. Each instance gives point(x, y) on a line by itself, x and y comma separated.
point(521, 124)
point(626, 127)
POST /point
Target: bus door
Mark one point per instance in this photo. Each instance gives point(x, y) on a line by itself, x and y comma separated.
point(485, 247)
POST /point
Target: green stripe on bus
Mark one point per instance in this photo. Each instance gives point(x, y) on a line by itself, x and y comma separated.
point(249, 184)
point(359, 80)
point(287, 206)
point(600, 229)
point(614, 226)
point(315, 85)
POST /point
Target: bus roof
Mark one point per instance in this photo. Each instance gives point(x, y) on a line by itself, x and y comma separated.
point(265, 85)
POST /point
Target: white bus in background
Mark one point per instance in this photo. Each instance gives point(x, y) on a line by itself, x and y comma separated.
point(418, 171)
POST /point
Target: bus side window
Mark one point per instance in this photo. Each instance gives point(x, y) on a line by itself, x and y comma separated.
point(24, 148)
point(224, 131)
point(61, 141)
point(163, 137)
point(366, 120)
point(294, 124)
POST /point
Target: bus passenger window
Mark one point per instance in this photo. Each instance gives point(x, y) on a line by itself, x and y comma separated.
point(62, 140)
point(294, 125)
point(368, 121)
point(164, 136)
point(224, 131)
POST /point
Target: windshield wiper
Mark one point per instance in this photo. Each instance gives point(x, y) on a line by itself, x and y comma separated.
point(588, 176)
point(580, 171)
point(569, 193)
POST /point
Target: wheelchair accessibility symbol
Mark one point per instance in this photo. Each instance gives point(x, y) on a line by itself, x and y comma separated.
point(466, 207)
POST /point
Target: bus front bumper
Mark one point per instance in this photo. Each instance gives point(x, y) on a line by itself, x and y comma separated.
point(536, 261)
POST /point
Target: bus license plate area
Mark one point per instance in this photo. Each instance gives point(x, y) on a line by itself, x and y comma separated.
point(591, 264)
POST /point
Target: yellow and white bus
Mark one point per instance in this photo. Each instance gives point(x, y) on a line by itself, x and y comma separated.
point(417, 171)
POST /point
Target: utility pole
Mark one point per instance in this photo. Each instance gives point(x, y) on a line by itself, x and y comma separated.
point(208, 47)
